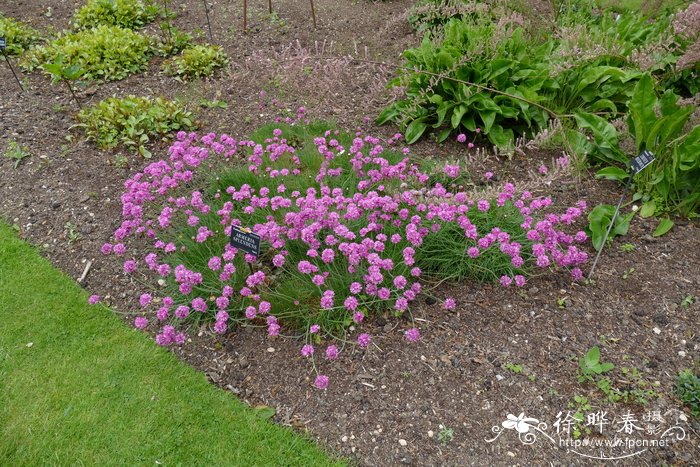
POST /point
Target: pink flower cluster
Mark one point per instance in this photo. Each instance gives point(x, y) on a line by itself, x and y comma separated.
point(370, 233)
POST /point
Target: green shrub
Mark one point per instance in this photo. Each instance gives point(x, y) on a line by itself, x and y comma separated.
point(475, 51)
point(688, 390)
point(104, 53)
point(128, 14)
point(172, 41)
point(18, 35)
point(672, 181)
point(432, 15)
point(196, 62)
point(133, 121)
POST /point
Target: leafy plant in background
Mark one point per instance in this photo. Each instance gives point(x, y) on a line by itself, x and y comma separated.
point(172, 41)
point(18, 35)
point(591, 366)
point(599, 222)
point(511, 74)
point(133, 121)
point(16, 152)
point(672, 181)
point(103, 53)
point(430, 16)
point(688, 390)
point(197, 61)
point(59, 71)
point(128, 14)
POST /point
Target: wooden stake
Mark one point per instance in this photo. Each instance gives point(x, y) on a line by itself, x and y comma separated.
point(206, 10)
point(269, 5)
point(245, 16)
point(313, 13)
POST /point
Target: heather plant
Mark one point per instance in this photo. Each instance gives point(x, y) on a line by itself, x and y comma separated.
point(104, 53)
point(346, 224)
point(198, 61)
point(128, 14)
point(134, 121)
point(18, 36)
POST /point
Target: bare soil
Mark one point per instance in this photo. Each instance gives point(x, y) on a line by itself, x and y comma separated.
point(387, 404)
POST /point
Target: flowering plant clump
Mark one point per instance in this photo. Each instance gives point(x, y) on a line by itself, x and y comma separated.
point(349, 227)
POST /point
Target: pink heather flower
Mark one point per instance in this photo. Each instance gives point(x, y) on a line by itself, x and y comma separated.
point(412, 335)
point(452, 171)
point(140, 322)
point(106, 248)
point(222, 302)
point(264, 307)
point(168, 301)
point(94, 299)
point(318, 280)
point(307, 350)
point(461, 138)
point(473, 252)
point(505, 281)
point(577, 274)
point(273, 329)
point(182, 312)
point(130, 266)
point(119, 249)
point(355, 288)
point(251, 312)
point(278, 261)
point(358, 316)
point(332, 352)
point(449, 304)
point(314, 328)
point(482, 205)
point(214, 263)
point(364, 339)
point(327, 255)
point(543, 169)
point(321, 382)
point(400, 282)
point(145, 299)
point(199, 304)
point(519, 280)
point(488, 175)
point(415, 272)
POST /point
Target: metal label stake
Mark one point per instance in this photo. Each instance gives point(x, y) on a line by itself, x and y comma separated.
point(636, 165)
point(3, 46)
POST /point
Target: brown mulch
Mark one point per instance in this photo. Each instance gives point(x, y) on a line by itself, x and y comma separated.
point(385, 405)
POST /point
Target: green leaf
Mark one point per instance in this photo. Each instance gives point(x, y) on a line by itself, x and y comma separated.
point(664, 226)
point(264, 412)
point(415, 130)
point(612, 173)
point(641, 110)
point(648, 209)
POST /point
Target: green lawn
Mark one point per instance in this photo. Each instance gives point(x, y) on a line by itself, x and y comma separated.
point(77, 386)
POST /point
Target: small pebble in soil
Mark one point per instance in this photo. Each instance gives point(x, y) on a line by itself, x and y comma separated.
point(430, 433)
point(270, 349)
point(403, 442)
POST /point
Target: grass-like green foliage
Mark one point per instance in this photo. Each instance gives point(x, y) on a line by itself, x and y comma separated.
point(16, 152)
point(81, 388)
point(198, 61)
point(134, 121)
point(104, 53)
point(172, 40)
point(672, 181)
point(18, 35)
point(688, 390)
point(432, 15)
point(128, 14)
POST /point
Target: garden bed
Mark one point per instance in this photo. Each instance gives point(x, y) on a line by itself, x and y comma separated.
point(501, 351)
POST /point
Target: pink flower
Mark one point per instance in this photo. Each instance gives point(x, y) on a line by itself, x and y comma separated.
point(307, 350)
point(332, 352)
point(321, 382)
point(452, 171)
point(130, 266)
point(358, 317)
point(461, 138)
point(449, 304)
point(488, 175)
point(543, 169)
point(364, 339)
point(520, 280)
point(505, 281)
point(145, 299)
point(140, 322)
point(412, 335)
point(314, 328)
point(94, 299)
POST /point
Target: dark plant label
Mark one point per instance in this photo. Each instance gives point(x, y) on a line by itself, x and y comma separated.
point(245, 240)
point(3, 44)
point(641, 161)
